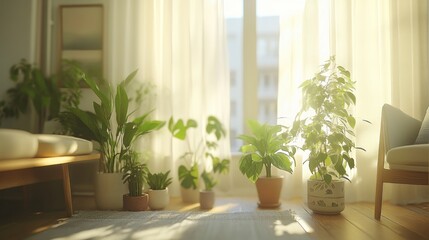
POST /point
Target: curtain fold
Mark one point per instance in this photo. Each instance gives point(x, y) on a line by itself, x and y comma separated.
point(180, 47)
point(384, 45)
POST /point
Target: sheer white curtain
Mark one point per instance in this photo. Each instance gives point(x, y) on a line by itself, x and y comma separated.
point(384, 45)
point(180, 46)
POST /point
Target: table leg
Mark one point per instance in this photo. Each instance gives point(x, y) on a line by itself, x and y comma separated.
point(67, 190)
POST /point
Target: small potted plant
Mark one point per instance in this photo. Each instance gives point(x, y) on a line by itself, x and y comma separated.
point(268, 146)
point(326, 125)
point(158, 191)
point(207, 195)
point(204, 149)
point(134, 174)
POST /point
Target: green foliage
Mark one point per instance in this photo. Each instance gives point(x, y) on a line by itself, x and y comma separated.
point(209, 180)
point(326, 123)
point(188, 177)
point(115, 140)
point(158, 181)
point(270, 145)
point(214, 132)
point(134, 174)
point(42, 92)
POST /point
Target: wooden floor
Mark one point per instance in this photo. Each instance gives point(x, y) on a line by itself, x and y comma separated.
point(355, 222)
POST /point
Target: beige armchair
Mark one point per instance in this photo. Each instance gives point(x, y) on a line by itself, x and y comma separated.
point(408, 162)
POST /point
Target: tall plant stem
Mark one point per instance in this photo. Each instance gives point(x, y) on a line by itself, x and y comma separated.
point(268, 169)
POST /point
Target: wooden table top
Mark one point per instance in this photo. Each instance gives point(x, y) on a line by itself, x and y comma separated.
point(23, 163)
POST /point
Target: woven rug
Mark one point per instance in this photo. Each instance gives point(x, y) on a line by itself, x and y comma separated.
point(268, 224)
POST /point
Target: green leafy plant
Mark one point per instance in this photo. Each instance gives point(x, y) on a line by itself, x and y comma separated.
point(209, 180)
point(134, 173)
point(109, 124)
point(206, 148)
point(159, 181)
point(269, 145)
point(325, 122)
point(42, 92)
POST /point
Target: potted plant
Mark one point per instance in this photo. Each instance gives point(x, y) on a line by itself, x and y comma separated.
point(134, 174)
point(268, 146)
point(326, 125)
point(42, 92)
point(109, 125)
point(158, 191)
point(205, 148)
point(207, 195)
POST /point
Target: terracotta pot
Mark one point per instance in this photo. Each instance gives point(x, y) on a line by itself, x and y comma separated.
point(109, 189)
point(207, 199)
point(325, 199)
point(158, 199)
point(269, 190)
point(190, 195)
point(135, 203)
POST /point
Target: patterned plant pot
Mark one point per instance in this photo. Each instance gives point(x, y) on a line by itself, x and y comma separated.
point(325, 199)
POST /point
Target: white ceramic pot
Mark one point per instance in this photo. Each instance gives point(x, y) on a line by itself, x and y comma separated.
point(17, 144)
point(158, 199)
point(109, 190)
point(207, 199)
point(190, 195)
point(325, 199)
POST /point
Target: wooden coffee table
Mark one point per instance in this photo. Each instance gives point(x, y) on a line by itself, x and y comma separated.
point(20, 172)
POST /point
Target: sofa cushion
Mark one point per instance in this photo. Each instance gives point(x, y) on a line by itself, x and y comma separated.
point(411, 157)
point(17, 144)
point(51, 145)
point(423, 136)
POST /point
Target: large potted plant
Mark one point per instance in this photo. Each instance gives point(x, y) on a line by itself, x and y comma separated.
point(109, 125)
point(325, 123)
point(268, 146)
point(134, 174)
point(34, 89)
point(158, 190)
point(204, 149)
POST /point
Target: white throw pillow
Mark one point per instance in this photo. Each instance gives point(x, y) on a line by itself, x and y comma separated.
point(423, 136)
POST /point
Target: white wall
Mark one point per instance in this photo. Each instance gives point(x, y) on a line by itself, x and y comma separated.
point(17, 41)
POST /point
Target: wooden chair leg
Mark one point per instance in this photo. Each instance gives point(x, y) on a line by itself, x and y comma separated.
point(378, 198)
point(380, 171)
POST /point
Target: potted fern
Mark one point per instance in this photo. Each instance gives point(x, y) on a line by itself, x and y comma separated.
point(158, 191)
point(205, 149)
point(269, 146)
point(326, 125)
point(109, 125)
point(134, 174)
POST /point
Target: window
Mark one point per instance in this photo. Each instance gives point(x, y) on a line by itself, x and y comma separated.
point(260, 104)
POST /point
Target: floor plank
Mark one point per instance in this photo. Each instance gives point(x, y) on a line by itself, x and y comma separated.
point(367, 209)
point(355, 222)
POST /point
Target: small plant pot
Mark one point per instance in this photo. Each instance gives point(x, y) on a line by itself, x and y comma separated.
point(269, 190)
point(158, 199)
point(190, 195)
point(325, 199)
point(207, 199)
point(135, 203)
